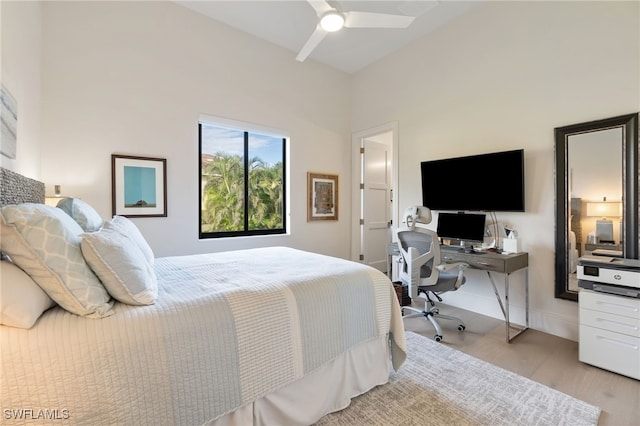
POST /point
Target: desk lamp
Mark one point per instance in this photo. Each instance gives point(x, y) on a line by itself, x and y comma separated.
point(604, 226)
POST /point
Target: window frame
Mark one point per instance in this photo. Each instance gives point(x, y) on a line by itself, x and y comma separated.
point(246, 129)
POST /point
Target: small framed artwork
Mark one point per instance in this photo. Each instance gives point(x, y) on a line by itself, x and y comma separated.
point(322, 197)
point(9, 119)
point(138, 186)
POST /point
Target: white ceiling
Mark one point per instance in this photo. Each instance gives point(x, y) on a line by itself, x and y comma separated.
point(290, 23)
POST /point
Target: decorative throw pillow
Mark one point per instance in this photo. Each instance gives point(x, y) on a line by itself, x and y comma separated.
point(128, 228)
point(45, 242)
point(85, 215)
point(121, 266)
point(22, 301)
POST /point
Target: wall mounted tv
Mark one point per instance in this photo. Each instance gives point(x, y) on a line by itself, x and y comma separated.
point(485, 182)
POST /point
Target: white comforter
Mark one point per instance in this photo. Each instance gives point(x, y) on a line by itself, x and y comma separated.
point(227, 328)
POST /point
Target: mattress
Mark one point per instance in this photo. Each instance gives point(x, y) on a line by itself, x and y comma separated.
point(228, 329)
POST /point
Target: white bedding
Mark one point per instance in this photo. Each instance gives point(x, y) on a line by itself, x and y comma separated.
point(228, 329)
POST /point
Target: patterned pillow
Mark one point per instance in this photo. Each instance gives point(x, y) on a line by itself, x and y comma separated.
point(22, 301)
point(128, 228)
point(45, 242)
point(121, 266)
point(88, 219)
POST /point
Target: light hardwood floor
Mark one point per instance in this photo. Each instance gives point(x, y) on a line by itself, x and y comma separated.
point(544, 358)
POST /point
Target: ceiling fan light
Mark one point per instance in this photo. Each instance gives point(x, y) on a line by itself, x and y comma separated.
point(332, 21)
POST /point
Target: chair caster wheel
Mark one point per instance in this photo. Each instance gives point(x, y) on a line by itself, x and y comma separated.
point(438, 338)
point(461, 327)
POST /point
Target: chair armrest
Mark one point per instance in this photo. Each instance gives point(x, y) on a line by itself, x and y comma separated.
point(446, 267)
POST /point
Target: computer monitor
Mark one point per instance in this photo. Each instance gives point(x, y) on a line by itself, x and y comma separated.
point(468, 228)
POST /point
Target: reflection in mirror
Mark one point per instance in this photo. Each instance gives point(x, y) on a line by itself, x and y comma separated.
point(596, 195)
point(594, 162)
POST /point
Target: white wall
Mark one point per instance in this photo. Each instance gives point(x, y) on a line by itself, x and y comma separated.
point(503, 77)
point(20, 25)
point(132, 78)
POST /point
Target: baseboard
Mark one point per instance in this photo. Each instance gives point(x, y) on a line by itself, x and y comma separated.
point(565, 326)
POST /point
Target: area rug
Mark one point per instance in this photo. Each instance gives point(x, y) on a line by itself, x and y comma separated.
point(439, 385)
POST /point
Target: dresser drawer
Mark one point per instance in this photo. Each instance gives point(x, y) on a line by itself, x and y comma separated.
point(612, 351)
point(617, 305)
point(611, 322)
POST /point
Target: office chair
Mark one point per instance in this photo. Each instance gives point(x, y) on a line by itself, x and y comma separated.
point(422, 268)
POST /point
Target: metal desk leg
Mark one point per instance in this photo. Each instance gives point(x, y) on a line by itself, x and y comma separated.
point(506, 299)
point(505, 306)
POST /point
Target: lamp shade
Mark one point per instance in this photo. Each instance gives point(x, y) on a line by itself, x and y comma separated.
point(57, 196)
point(604, 209)
point(52, 201)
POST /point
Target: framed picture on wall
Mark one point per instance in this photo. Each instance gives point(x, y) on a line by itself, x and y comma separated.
point(322, 196)
point(138, 186)
point(9, 123)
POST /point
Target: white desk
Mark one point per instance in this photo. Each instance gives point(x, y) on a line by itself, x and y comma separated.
point(499, 263)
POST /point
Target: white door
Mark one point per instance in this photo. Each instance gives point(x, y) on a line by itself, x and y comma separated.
point(376, 204)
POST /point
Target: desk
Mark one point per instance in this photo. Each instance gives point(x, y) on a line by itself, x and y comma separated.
point(602, 246)
point(501, 263)
point(603, 249)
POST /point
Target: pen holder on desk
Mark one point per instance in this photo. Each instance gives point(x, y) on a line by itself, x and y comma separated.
point(510, 245)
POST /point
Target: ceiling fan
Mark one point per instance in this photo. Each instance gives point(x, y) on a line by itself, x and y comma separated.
point(331, 19)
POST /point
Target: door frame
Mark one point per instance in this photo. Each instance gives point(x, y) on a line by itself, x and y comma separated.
point(356, 168)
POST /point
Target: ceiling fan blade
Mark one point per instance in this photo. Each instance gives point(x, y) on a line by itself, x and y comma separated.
point(376, 20)
point(311, 44)
point(321, 7)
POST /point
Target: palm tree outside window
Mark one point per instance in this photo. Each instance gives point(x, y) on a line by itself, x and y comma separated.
point(242, 181)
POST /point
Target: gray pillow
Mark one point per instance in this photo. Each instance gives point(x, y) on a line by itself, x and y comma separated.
point(45, 242)
point(128, 228)
point(85, 215)
point(121, 266)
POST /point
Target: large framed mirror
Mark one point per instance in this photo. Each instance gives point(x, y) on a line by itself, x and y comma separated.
point(597, 195)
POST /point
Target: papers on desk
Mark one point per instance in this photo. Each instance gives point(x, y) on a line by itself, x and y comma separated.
point(607, 253)
point(597, 258)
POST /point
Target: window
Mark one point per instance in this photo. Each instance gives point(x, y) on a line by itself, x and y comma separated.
point(242, 180)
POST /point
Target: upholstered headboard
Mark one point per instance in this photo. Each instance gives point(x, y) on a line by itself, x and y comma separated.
point(16, 189)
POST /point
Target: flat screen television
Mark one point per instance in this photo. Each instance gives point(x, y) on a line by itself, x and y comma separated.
point(465, 227)
point(485, 182)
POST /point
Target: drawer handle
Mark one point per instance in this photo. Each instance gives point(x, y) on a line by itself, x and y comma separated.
point(618, 342)
point(616, 323)
point(617, 306)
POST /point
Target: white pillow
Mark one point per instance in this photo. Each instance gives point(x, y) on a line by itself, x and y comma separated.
point(121, 266)
point(45, 242)
point(128, 228)
point(85, 215)
point(22, 301)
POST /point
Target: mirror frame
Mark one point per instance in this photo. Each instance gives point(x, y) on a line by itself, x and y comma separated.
point(631, 195)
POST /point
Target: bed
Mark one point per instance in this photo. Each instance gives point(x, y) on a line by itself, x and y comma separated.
point(260, 336)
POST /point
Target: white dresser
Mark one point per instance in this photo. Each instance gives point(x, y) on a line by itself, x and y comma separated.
point(610, 332)
point(609, 302)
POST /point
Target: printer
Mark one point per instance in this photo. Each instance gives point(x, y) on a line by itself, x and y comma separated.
point(612, 275)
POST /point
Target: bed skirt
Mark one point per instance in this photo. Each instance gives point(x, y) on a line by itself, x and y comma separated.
point(326, 390)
